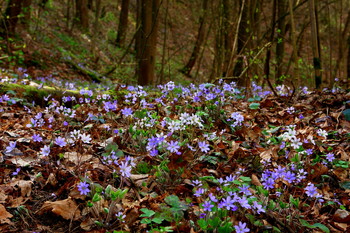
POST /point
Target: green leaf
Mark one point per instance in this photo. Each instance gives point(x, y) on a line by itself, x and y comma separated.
point(147, 212)
point(245, 178)
point(172, 200)
point(345, 184)
point(346, 113)
point(203, 224)
point(146, 221)
point(96, 197)
point(254, 106)
point(319, 225)
point(158, 220)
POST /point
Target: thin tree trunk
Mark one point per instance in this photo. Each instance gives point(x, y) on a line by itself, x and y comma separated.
point(315, 44)
point(12, 12)
point(281, 11)
point(243, 34)
point(123, 23)
point(161, 76)
point(199, 41)
point(268, 51)
point(294, 44)
point(147, 41)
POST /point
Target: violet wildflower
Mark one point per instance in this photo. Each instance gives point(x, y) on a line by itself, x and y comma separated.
point(330, 157)
point(120, 216)
point(127, 112)
point(153, 152)
point(268, 184)
point(228, 203)
point(125, 169)
point(83, 188)
point(10, 147)
point(37, 138)
point(199, 192)
point(45, 151)
point(245, 190)
point(258, 208)
point(173, 146)
point(203, 146)
point(309, 151)
point(241, 228)
point(207, 206)
point(16, 172)
point(311, 190)
point(60, 142)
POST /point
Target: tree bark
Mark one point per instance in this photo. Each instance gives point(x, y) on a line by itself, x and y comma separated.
point(199, 41)
point(146, 40)
point(123, 23)
point(315, 44)
point(281, 32)
point(13, 9)
point(243, 34)
point(82, 14)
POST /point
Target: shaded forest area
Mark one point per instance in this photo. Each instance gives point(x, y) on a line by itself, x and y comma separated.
point(174, 116)
point(154, 41)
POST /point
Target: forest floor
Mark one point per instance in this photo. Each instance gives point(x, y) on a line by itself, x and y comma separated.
point(171, 159)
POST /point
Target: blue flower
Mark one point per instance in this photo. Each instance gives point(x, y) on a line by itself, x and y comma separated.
point(173, 146)
point(83, 188)
point(241, 228)
point(207, 206)
point(60, 142)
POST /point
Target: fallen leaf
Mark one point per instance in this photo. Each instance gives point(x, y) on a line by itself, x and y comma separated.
point(4, 215)
point(66, 208)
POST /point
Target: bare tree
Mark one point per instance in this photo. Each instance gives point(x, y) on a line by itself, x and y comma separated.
point(123, 23)
point(315, 42)
point(199, 41)
point(146, 40)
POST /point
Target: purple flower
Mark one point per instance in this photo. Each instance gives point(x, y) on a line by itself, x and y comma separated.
point(330, 157)
point(10, 147)
point(269, 183)
point(311, 190)
point(309, 151)
point(16, 172)
point(37, 138)
point(199, 192)
point(241, 228)
point(258, 208)
point(65, 123)
point(228, 203)
point(45, 151)
point(212, 197)
point(60, 142)
point(126, 112)
point(153, 152)
point(207, 206)
point(289, 176)
point(125, 169)
point(243, 201)
point(83, 188)
point(245, 190)
point(173, 146)
point(203, 146)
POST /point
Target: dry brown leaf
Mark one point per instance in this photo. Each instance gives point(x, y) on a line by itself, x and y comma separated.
point(4, 215)
point(255, 180)
point(3, 196)
point(66, 208)
point(76, 158)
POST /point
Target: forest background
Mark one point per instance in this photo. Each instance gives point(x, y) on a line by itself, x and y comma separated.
point(154, 41)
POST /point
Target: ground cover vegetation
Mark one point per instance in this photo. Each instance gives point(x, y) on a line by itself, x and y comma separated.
point(197, 158)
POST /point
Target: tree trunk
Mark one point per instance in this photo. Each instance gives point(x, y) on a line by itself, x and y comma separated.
point(315, 44)
point(199, 42)
point(26, 11)
point(243, 34)
point(13, 9)
point(146, 40)
point(82, 14)
point(123, 23)
point(281, 32)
